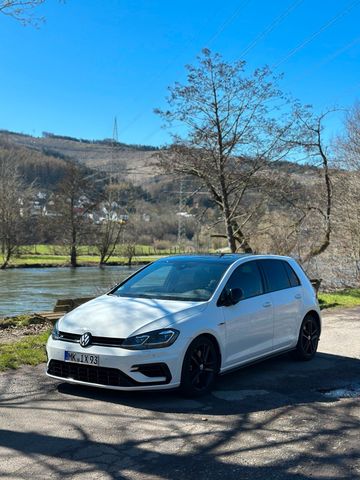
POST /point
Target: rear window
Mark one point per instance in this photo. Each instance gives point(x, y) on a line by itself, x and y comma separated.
point(276, 274)
point(294, 279)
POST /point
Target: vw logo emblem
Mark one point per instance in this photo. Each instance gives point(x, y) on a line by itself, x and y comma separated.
point(85, 339)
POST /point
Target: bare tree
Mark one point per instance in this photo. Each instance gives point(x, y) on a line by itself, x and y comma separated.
point(347, 217)
point(348, 145)
point(129, 251)
point(229, 133)
point(111, 226)
point(15, 196)
point(348, 186)
point(22, 10)
point(312, 141)
point(74, 202)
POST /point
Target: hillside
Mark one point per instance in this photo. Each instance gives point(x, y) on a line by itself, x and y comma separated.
point(131, 161)
point(105, 155)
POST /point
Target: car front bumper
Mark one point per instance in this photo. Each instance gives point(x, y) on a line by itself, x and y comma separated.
point(119, 369)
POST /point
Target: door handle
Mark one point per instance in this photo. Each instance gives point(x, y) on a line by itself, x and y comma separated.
point(298, 295)
point(267, 304)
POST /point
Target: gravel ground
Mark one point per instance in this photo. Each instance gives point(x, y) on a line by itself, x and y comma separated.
point(276, 420)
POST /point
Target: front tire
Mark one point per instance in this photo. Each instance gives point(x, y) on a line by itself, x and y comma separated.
point(308, 338)
point(200, 367)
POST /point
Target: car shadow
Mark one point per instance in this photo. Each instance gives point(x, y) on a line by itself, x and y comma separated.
point(68, 431)
point(267, 385)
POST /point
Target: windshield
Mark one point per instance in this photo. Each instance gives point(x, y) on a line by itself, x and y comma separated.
point(175, 280)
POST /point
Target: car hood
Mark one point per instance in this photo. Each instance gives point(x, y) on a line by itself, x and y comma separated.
point(120, 317)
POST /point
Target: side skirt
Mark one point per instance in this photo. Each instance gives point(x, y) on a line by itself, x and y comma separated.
point(247, 363)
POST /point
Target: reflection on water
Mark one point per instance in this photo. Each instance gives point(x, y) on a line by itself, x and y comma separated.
point(37, 289)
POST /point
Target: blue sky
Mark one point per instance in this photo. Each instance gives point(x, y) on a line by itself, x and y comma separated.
point(93, 60)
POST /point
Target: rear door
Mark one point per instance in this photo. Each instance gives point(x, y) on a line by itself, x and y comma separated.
point(286, 293)
point(249, 323)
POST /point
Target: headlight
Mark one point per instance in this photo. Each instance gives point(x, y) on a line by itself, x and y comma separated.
point(156, 339)
point(55, 332)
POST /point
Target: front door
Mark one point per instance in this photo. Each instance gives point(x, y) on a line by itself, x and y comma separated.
point(249, 323)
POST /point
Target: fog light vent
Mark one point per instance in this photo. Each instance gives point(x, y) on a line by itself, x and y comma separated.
point(153, 370)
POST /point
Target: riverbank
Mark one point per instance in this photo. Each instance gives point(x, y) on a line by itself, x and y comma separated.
point(56, 261)
point(46, 256)
point(27, 290)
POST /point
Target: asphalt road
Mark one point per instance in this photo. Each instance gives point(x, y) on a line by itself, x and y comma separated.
point(276, 420)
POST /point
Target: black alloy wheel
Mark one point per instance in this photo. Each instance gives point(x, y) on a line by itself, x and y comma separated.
point(200, 367)
point(308, 338)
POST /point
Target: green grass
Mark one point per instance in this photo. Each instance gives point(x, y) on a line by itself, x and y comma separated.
point(82, 259)
point(63, 250)
point(28, 351)
point(20, 321)
point(58, 255)
point(343, 298)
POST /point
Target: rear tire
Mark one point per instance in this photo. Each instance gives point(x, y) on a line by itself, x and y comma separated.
point(200, 367)
point(308, 338)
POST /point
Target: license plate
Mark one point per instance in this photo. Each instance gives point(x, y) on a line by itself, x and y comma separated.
point(78, 357)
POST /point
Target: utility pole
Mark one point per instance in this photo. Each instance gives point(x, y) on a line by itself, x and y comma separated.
point(115, 131)
point(181, 225)
point(115, 141)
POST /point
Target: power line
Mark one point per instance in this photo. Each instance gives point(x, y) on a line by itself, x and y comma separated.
point(315, 34)
point(228, 22)
point(331, 57)
point(275, 23)
point(271, 27)
point(252, 45)
point(220, 30)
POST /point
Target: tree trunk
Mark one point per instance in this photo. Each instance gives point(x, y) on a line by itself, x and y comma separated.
point(240, 237)
point(234, 233)
point(73, 256)
point(7, 255)
point(230, 235)
point(227, 216)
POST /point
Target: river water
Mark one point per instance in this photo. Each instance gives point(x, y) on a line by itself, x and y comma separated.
point(27, 290)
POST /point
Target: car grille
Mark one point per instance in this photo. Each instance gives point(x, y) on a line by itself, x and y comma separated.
point(90, 374)
point(99, 341)
point(111, 377)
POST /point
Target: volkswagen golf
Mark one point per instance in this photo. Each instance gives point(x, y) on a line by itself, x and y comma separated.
point(183, 320)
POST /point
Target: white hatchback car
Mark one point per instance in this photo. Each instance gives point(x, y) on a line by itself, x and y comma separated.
point(182, 320)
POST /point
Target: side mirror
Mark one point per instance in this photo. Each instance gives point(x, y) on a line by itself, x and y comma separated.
point(230, 297)
point(235, 295)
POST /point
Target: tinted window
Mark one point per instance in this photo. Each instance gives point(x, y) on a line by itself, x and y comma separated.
point(275, 273)
point(247, 277)
point(294, 280)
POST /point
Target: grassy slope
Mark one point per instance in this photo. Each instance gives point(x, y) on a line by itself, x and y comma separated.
point(82, 259)
point(343, 298)
point(42, 249)
point(58, 255)
point(28, 351)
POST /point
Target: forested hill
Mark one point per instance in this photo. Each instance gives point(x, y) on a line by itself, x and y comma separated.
point(44, 159)
point(53, 150)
